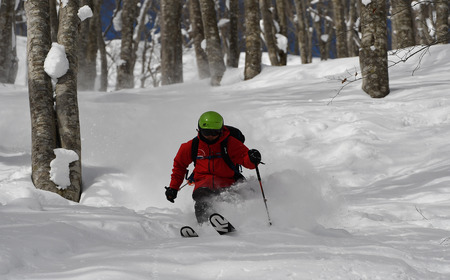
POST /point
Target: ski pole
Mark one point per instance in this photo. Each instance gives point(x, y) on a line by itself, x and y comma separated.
point(264, 197)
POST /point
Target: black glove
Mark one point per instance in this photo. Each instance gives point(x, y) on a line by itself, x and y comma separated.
point(171, 194)
point(255, 156)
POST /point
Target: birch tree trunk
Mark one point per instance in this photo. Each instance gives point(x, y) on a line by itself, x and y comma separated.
point(268, 32)
point(66, 97)
point(373, 53)
point(402, 24)
point(171, 46)
point(282, 21)
point(8, 57)
point(341, 29)
point(43, 125)
point(442, 14)
point(125, 76)
point(352, 35)
point(252, 40)
point(302, 31)
point(87, 51)
point(198, 36)
point(54, 22)
point(213, 47)
point(233, 53)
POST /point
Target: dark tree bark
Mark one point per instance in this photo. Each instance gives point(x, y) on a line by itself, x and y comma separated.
point(171, 46)
point(53, 125)
point(373, 53)
point(269, 34)
point(442, 14)
point(341, 29)
point(252, 40)
point(282, 21)
point(402, 24)
point(198, 36)
point(125, 75)
point(233, 53)
point(213, 45)
point(8, 57)
point(302, 33)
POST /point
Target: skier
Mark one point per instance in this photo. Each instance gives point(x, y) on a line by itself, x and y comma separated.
point(212, 173)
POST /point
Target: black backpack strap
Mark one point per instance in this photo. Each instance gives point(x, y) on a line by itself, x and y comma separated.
point(194, 149)
point(224, 151)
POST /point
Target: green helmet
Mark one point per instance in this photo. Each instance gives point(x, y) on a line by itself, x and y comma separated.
point(210, 120)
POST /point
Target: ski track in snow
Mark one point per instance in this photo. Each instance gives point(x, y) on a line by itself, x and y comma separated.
point(357, 189)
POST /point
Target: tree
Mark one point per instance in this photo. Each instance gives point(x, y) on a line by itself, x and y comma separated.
point(233, 50)
point(373, 52)
point(66, 103)
point(402, 24)
point(352, 33)
point(302, 31)
point(341, 28)
point(54, 22)
point(442, 14)
point(213, 46)
point(171, 46)
point(282, 22)
point(8, 57)
point(252, 40)
point(197, 34)
point(268, 32)
point(125, 76)
point(52, 128)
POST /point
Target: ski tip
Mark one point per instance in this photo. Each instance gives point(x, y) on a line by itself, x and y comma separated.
point(220, 224)
point(187, 231)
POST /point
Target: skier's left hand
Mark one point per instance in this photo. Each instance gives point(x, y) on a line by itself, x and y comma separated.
point(255, 156)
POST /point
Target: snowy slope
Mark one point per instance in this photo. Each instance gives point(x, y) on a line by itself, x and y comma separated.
point(357, 188)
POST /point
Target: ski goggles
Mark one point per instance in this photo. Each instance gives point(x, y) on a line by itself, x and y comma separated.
point(210, 132)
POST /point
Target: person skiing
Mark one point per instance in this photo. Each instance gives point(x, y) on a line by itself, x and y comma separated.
point(212, 173)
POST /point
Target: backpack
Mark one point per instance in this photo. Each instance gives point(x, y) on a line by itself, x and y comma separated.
point(234, 132)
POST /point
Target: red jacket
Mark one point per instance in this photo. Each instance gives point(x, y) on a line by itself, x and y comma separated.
point(210, 171)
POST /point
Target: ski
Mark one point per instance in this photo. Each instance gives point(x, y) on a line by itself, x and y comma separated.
point(187, 231)
point(220, 224)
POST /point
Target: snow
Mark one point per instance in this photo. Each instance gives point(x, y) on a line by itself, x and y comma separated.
point(56, 63)
point(366, 2)
point(84, 12)
point(357, 188)
point(59, 167)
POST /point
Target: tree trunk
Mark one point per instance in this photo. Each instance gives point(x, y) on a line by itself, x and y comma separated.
point(125, 76)
point(198, 36)
point(341, 29)
point(442, 14)
point(402, 24)
point(352, 34)
point(422, 34)
point(302, 31)
point(213, 47)
point(88, 48)
point(66, 97)
point(373, 53)
point(171, 46)
point(268, 32)
point(103, 59)
point(54, 22)
point(282, 21)
point(252, 40)
point(8, 57)
point(234, 52)
point(43, 125)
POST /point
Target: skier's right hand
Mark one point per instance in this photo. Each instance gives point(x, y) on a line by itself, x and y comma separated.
point(171, 194)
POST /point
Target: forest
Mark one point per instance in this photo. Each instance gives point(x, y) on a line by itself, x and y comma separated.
point(159, 32)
